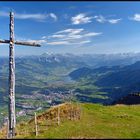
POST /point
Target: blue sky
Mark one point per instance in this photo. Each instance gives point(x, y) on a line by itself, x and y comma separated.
point(73, 27)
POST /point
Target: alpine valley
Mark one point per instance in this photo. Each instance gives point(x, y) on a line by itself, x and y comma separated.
point(50, 79)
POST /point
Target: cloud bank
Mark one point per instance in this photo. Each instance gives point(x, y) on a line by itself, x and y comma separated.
point(36, 17)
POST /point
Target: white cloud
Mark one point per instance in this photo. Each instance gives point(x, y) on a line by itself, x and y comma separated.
point(68, 42)
point(102, 19)
point(76, 31)
point(84, 42)
point(81, 19)
point(71, 37)
point(58, 43)
point(92, 34)
point(57, 36)
point(43, 37)
point(71, 31)
point(31, 16)
point(136, 17)
point(53, 16)
point(37, 16)
point(38, 41)
point(113, 21)
point(65, 37)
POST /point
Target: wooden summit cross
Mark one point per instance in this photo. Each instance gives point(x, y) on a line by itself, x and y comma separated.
point(11, 105)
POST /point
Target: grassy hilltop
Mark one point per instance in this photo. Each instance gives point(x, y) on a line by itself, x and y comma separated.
point(96, 121)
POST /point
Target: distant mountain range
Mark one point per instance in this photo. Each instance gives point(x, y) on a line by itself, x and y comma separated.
point(107, 71)
point(118, 76)
point(95, 60)
point(116, 81)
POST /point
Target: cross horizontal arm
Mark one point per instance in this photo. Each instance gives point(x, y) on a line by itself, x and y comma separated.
point(22, 43)
point(4, 41)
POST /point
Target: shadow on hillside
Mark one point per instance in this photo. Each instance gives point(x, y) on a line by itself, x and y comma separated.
point(130, 99)
point(84, 98)
point(112, 96)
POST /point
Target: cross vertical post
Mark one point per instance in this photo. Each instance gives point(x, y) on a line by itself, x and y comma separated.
point(12, 117)
point(11, 103)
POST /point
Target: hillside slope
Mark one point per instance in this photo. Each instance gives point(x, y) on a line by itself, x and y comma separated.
point(116, 82)
point(97, 121)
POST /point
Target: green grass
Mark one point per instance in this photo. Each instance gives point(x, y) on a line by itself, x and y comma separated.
point(97, 121)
